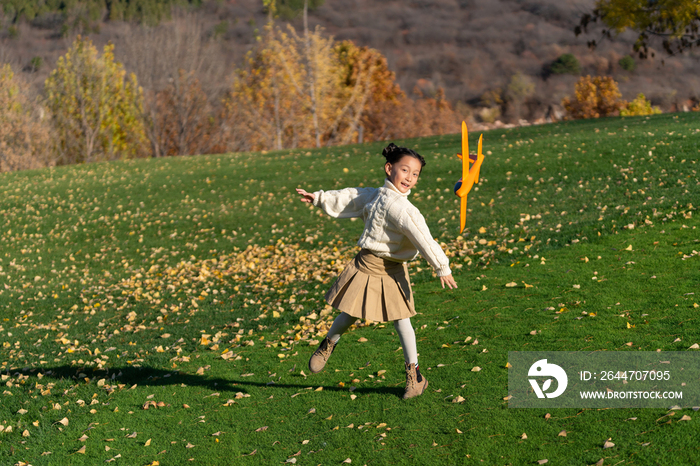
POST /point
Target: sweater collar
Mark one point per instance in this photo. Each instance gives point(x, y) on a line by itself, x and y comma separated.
point(389, 185)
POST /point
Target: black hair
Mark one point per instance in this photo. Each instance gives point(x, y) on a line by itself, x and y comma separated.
point(393, 153)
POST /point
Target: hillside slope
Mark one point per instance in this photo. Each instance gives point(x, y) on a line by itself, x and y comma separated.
point(467, 47)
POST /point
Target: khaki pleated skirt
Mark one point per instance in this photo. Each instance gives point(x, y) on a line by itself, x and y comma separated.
point(373, 288)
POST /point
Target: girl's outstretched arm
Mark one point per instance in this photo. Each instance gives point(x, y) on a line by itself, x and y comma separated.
point(305, 197)
point(449, 281)
point(343, 203)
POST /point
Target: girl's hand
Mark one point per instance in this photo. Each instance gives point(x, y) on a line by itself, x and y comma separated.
point(305, 197)
point(449, 281)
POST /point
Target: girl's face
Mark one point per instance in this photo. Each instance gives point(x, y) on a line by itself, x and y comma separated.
point(404, 173)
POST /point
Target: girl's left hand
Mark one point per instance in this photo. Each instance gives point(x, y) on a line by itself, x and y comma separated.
point(306, 197)
point(449, 281)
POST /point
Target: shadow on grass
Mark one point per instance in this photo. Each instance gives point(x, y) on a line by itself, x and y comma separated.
point(150, 376)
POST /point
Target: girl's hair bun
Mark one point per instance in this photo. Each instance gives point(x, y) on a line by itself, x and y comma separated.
point(393, 153)
point(389, 151)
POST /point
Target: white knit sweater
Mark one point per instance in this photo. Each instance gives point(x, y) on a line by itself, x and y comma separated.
point(394, 228)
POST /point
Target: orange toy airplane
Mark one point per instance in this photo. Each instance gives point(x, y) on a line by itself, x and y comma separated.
point(469, 175)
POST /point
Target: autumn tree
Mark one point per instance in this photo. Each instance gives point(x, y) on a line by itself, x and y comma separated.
point(302, 90)
point(182, 77)
point(423, 116)
point(25, 135)
point(676, 23)
point(595, 97)
point(369, 92)
point(185, 117)
point(289, 92)
point(94, 105)
point(265, 104)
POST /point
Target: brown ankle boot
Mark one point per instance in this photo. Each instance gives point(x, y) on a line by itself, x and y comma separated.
point(415, 382)
point(321, 355)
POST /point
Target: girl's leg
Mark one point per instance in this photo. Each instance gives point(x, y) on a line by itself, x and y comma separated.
point(340, 325)
point(415, 382)
point(408, 340)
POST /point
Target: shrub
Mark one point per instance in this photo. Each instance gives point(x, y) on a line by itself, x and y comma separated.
point(566, 64)
point(489, 114)
point(491, 101)
point(36, 63)
point(595, 97)
point(627, 63)
point(492, 98)
point(639, 106)
point(290, 9)
point(220, 29)
point(520, 88)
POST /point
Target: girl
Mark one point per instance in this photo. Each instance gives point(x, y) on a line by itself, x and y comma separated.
point(375, 284)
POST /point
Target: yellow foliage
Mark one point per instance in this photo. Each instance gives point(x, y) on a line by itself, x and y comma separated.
point(96, 109)
point(675, 20)
point(25, 135)
point(285, 82)
point(307, 90)
point(595, 97)
point(639, 106)
point(369, 89)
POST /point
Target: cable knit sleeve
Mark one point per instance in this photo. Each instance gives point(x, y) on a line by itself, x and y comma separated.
point(412, 224)
point(344, 203)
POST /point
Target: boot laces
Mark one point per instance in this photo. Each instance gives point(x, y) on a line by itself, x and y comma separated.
point(410, 377)
point(326, 349)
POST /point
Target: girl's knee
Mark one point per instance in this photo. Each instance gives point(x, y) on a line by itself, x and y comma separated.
point(402, 324)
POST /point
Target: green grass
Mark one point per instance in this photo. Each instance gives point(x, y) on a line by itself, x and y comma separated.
point(125, 283)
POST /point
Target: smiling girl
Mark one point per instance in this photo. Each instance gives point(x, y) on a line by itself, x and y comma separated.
point(375, 284)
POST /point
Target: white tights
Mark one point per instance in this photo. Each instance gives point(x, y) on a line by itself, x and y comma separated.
point(403, 327)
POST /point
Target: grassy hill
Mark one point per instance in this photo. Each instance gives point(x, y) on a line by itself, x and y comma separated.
point(160, 311)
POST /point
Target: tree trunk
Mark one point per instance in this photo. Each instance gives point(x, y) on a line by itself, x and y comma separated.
point(278, 126)
point(311, 63)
